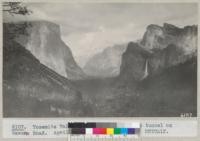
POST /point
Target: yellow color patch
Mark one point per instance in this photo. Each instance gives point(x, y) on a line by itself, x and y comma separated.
point(110, 131)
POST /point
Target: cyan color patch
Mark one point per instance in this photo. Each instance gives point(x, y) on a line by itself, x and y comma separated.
point(124, 131)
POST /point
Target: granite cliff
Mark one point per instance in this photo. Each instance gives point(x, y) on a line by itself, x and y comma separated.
point(31, 89)
point(165, 47)
point(44, 41)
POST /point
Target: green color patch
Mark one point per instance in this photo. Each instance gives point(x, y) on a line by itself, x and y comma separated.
point(117, 131)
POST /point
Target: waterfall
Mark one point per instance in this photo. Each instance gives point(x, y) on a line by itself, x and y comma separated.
point(145, 70)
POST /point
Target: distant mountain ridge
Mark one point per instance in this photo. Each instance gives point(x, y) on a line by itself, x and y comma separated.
point(44, 41)
point(106, 63)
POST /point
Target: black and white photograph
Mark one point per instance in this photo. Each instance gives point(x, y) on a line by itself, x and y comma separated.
point(99, 59)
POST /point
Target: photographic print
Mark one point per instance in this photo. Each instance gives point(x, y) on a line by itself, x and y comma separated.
point(99, 59)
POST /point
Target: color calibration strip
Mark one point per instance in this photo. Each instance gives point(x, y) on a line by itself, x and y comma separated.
point(104, 128)
point(105, 131)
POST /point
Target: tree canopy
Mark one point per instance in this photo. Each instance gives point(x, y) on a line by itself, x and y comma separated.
point(16, 8)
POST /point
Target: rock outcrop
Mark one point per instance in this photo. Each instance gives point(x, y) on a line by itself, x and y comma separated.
point(44, 41)
point(134, 61)
point(157, 37)
point(167, 46)
point(31, 89)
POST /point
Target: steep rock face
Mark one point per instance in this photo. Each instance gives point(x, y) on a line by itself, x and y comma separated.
point(157, 37)
point(43, 40)
point(167, 46)
point(31, 89)
point(167, 57)
point(133, 61)
point(106, 63)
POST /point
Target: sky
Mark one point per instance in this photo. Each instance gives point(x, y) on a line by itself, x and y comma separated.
point(89, 28)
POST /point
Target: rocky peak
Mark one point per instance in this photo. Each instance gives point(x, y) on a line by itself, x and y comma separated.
point(171, 29)
point(192, 28)
point(153, 27)
point(157, 37)
point(152, 37)
point(168, 26)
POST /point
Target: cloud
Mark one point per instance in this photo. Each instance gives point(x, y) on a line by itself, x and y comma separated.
point(85, 45)
point(88, 28)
